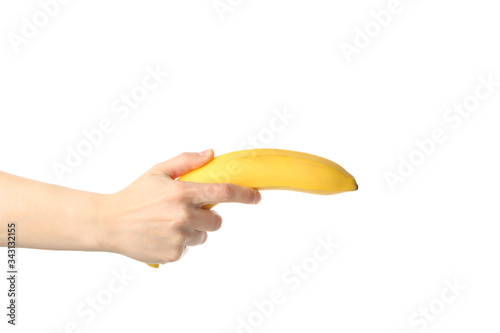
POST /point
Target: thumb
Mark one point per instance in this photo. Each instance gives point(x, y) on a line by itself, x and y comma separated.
point(183, 163)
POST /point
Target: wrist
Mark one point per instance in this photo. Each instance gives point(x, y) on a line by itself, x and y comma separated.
point(94, 225)
point(101, 234)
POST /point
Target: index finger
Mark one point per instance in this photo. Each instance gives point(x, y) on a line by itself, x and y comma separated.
point(217, 193)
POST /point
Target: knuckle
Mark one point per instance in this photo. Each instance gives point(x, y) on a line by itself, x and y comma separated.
point(204, 238)
point(184, 215)
point(172, 255)
point(217, 223)
point(163, 260)
point(179, 240)
point(176, 254)
point(180, 191)
point(224, 192)
point(185, 156)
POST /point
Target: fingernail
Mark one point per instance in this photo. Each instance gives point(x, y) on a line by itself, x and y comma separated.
point(258, 197)
point(205, 152)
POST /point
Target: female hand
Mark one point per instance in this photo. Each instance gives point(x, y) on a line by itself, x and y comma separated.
point(156, 218)
point(152, 220)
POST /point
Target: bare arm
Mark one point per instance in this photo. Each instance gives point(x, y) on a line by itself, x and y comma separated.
point(48, 216)
point(153, 220)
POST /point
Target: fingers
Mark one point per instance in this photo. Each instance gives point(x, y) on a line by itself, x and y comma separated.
point(207, 220)
point(196, 238)
point(184, 251)
point(183, 163)
point(217, 193)
point(203, 220)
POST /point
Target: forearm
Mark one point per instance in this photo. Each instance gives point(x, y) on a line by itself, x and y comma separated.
point(153, 220)
point(48, 216)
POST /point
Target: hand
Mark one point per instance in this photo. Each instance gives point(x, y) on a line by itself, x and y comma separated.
point(156, 217)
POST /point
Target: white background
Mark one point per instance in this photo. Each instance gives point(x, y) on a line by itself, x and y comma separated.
point(397, 248)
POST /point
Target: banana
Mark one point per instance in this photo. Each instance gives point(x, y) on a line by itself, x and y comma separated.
point(274, 169)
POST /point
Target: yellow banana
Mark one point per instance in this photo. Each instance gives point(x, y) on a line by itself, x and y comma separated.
point(274, 169)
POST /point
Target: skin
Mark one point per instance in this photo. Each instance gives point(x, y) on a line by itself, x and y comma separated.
point(152, 220)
